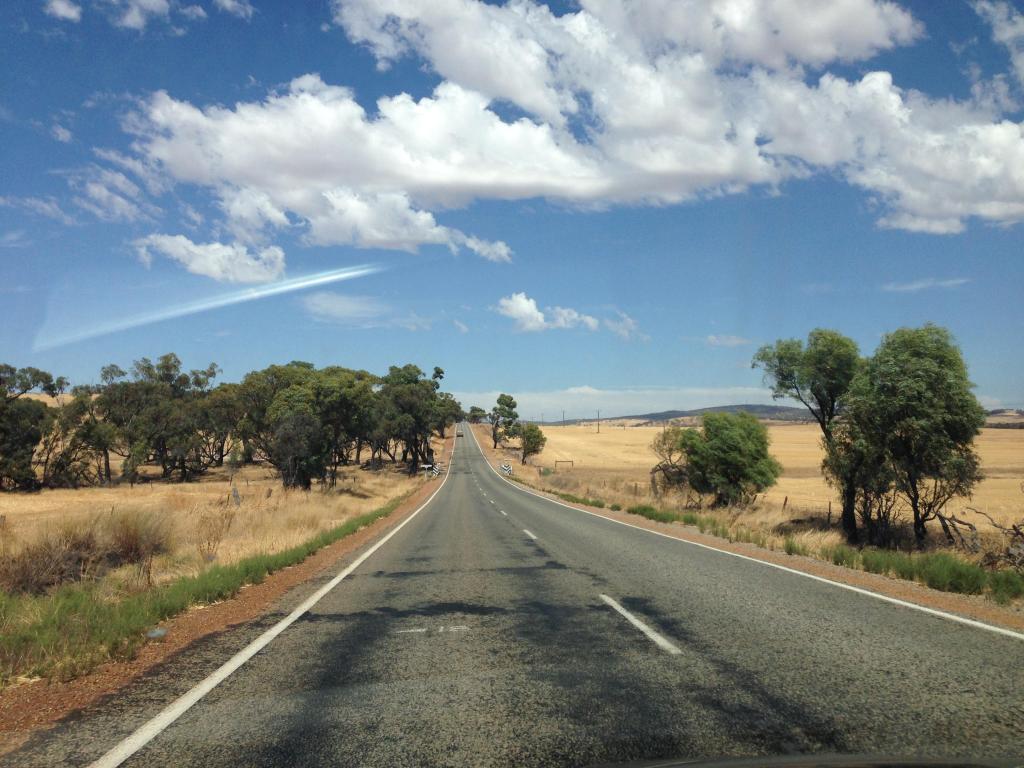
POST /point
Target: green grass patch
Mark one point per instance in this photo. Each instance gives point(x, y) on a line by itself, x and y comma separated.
point(842, 555)
point(1006, 586)
point(573, 499)
point(793, 547)
point(615, 507)
point(652, 513)
point(76, 627)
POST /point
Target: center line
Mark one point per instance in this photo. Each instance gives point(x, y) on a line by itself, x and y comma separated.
point(503, 512)
point(653, 636)
point(529, 534)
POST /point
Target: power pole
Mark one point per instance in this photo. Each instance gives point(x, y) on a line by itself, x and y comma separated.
point(563, 417)
point(599, 421)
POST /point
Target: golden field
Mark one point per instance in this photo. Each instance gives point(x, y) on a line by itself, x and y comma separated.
point(267, 519)
point(614, 465)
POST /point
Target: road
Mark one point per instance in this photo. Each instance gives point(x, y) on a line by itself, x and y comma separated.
point(497, 628)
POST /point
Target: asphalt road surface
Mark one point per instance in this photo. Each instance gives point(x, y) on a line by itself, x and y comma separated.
point(497, 628)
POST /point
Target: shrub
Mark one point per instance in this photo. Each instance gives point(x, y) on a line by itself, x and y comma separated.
point(950, 574)
point(136, 537)
point(615, 507)
point(1006, 586)
point(646, 510)
point(71, 554)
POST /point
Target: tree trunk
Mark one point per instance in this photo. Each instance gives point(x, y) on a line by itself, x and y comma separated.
point(106, 467)
point(849, 514)
point(359, 448)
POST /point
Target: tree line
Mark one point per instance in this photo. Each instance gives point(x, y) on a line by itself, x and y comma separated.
point(304, 421)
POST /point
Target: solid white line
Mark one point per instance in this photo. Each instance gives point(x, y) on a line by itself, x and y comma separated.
point(867, 592)
point(405, 631)
point(654, 637)
point(151, 729)
point(529, 534)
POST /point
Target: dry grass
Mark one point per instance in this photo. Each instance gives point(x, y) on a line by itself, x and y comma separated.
point(205, 524)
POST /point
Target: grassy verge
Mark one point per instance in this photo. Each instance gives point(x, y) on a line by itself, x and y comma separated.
point(74, 628)
point(938, 570)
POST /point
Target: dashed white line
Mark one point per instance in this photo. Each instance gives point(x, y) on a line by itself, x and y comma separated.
point(503, 512)
point(659, 640)
point(532, 536)
point(405, 631)
point(767, 564)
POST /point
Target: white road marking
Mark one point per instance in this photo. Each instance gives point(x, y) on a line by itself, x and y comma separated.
point(404, 631)
point(152, 728)
point(659, 640)
point(503, 512)
point(866, 592)
point(492, 501)
point(529, 534)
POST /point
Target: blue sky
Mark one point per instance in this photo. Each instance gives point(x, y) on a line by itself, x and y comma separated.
point(595, 205)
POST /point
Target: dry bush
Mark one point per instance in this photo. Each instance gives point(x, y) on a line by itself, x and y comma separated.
point(135, 537)
point(71, 553)
point(210, 528)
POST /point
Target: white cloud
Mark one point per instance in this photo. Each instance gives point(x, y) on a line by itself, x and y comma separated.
point(192, 12)
point(624, 326)
point(679, 99)
point(460, 326)
point(359, 312)
point(528, 317)
point(48, 207)
point(1007, 29)
point(110, 195)
point(136, 14)
point(725, 340)
point(232, 263)
point(925, 284)
point(61, 134)
point(241, 8)
point(583, 401)
point(16, 238)
point(65, 10)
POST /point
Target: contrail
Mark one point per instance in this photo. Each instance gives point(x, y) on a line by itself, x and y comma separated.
point(205, 305)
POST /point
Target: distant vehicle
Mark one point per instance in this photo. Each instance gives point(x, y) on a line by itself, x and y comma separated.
point(458, 433)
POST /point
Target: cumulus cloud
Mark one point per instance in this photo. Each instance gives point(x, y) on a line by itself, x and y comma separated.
point(359, 312)
point(312, 153)
point(925, 284)
point(679, 99)
point(65, 10)
point(725, 340)
point(528, 317)
point(60, 133)
point(228, 262)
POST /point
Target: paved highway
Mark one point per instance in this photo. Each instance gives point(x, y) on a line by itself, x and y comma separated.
point(497, 628)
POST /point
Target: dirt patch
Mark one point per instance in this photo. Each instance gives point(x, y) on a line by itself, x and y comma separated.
point(36, 705)
point(974, 607)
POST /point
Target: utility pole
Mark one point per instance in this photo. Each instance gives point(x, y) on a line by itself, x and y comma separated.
point(563, 417)
point(599, 421)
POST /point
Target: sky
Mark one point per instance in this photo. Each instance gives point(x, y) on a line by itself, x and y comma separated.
point(595, 205)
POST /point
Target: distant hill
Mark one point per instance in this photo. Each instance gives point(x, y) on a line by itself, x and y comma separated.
point(776, 412)
point(773, 412)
